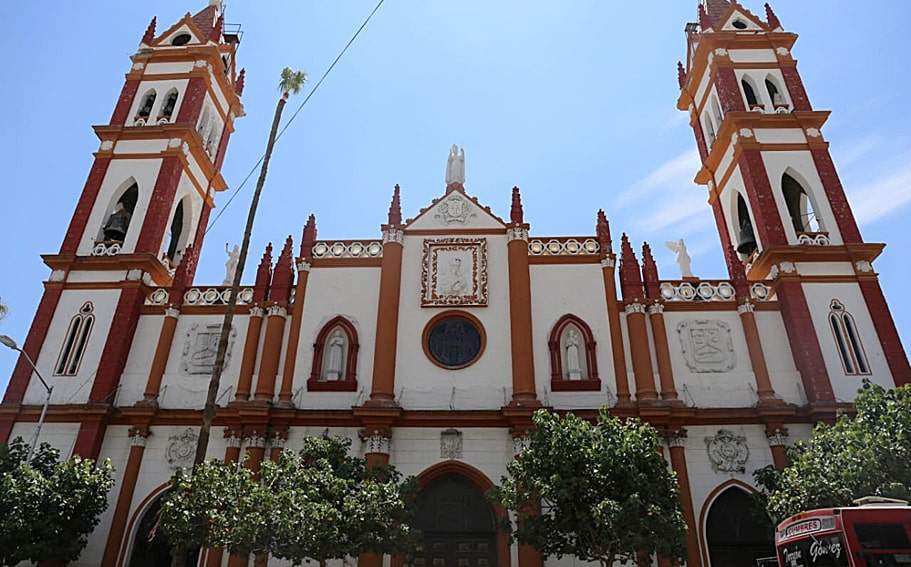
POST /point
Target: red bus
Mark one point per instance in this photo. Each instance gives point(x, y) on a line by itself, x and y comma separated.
point(877, 533)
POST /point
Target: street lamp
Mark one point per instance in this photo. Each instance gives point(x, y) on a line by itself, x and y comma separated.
point(10, 343)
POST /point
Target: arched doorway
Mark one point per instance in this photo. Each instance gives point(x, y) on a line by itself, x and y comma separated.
point(457, 523)
point(737, 532)
point(149, 548)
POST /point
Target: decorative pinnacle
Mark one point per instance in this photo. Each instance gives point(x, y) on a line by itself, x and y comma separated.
point(149, 35)
point(650, 272)
point(283, 276)
point(263, 276)
point(395, 208)
point(602, 230)
point(516, 214)
point(771, 18)
point(308, 239)
point(681, 74)
point(704, 21)
point(738, 275)
point(630, 278)
point(215, 34)
point(239, 83)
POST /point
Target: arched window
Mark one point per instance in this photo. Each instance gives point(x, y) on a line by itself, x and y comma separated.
point(709, 130)
point(145, 108)
point(177, 228)
point(750, 94)
point(214, 138)
point(775, 95)
point(716, 111)
point(737, 532)
point(167, 109)
point(800, 207)
point(150, 548)
point(118, 220)
point(850, 349)
point(573, 362)
point(746, 240)
point(203, 125)
point(75, 341)
point(335, 358)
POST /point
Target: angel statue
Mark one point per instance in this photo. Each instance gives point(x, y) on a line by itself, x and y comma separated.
point(231, 263)
point(683, 259)
point(455, 166)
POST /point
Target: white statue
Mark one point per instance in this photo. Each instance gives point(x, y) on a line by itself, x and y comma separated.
point(572, 352)
point(683, 259)
point(455, 166)
point(336, 352)
point(457, 283)
point(231, 263)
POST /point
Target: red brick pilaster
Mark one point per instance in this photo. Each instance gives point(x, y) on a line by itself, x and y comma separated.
point(844, 216)
point(676, 442)
point(158, 212)
point(125, 498)
point(127, 94)
point(84, 206)
point(799, 98)
point(728, 90)
point(22, 373)
point(721, 224)
point(700, 136)
point(762, 202)
point(803, 340)
point(193, 98)
point(889, 339)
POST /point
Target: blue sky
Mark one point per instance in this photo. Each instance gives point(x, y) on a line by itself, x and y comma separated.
point(572, 101)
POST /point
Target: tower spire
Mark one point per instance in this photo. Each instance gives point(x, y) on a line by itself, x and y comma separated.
point(308, 239)
point(263, 276)
point(516, 214)
point(630, 278)
point(771, 18)
point(395, 208)
point(282, 276)
point(602, 230)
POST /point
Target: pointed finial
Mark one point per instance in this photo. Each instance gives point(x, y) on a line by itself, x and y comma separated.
point(650, 272)
point(681, 74)
point(239, 82)
point(263, 276)
point(308, 239)
point(602, 230)
point(215, 34)
point(516, 214)
point(282, 276)
point(395, 208)
point(738, 275)
point(630, 278)
point(149, 35)
point(704, 21)
point(771, 18)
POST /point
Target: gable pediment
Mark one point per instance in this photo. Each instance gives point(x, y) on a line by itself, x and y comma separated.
point(455, 210)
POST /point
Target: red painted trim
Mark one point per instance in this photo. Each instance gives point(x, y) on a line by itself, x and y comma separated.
point(349, 384)
point(700, 138)
point(804, 342)
point(722, 225)
point(22, 374)
point(6, 428)
point(844, 216)
point(158, 213)
point(89, 439)
point(122, 109)
point(85, 205)
point(792, 81)
point(222, 147)
point(728, 89)
point(761, 200)
point(193, 97)
point(889, 339)
point(117, 346)
point(557, 382)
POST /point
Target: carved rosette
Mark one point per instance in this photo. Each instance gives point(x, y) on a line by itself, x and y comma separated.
point(181, 449)
point(727, 451)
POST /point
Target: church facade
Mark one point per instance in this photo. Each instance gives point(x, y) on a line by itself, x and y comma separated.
point(431, 343)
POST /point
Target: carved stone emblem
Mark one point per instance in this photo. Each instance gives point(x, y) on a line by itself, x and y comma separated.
point(454, 272)
point(181, 449)
point(454, 210)
point(451, 444)
point(707, 345)
point(728, 451)
point(201, 347)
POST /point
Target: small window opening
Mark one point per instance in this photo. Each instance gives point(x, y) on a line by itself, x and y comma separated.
point(739, 24)
point(176, 230)
point(750, 94)
point(746, 243)
point(115, 228)
point(774, 94)
point(75, 341)
point(167, 109)
point(145, 109)
point(850, 349)
point(181, 39)
point(800, 208)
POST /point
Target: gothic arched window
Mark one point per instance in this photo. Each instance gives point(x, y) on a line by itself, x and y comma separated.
point(746, 237)
point(117, 221)
point(775, 95)
point(800, 206)
point(716, 111)
point(167, 109)
point(145, 107)
point(176, 234)
point(573, 363)
point(75, 341)
point(750, 93)
point(709, 130)
point(335, 358)
point(847, 339)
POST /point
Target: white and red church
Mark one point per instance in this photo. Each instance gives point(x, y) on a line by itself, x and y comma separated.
point(431, 342)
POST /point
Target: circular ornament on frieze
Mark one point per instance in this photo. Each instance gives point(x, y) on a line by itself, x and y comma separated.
point(454, 340)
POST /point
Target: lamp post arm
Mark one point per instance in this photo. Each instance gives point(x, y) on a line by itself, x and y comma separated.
point(35, 368)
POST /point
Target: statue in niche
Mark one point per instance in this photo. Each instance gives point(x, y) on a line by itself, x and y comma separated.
point(455, 166)
point(684, 261)
point(231, 263)
point(115, 229)
point(572, 355)
point(457, 283)
point(335, 353)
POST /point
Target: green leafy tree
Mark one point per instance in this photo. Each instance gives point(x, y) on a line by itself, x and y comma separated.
point(317, 505)
point(48, 507)
point(866, 454)
point(599, 491)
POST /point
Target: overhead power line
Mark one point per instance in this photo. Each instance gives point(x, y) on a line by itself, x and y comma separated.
point(296, 112)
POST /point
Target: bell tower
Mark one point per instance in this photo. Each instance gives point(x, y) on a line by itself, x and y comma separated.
point(778, 201)
point(142, 212)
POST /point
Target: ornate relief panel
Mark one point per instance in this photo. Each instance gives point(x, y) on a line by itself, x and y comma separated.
point(454, 210)
point(707, 345)
point(728, 451)
point(451, 444)
point(181, 449)
point(201, 347)
point(454, 272)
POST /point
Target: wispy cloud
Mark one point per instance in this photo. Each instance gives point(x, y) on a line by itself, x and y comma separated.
point(676, 173)
point(849, 154)
point(883, 196)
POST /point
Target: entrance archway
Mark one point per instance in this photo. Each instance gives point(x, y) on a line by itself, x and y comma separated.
point(153, 551)
point(736, 530)
point(458, 523)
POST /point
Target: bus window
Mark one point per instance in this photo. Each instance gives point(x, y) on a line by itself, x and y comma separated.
point(821, 551)
point(884, 545)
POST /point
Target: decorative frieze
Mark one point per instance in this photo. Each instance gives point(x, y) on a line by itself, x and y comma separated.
point(697, 291)
point(347, 249)
point(727, 451)
point(563, 246)
point(201, 296)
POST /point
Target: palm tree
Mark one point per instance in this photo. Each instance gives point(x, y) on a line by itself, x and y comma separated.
point(291, 83)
